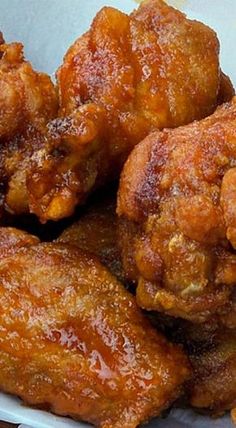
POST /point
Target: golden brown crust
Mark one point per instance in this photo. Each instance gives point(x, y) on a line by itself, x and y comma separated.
point(12, 239)
point(67, 167)
point(73, 340)
point(178, 187)
point(27, 97)
point(227, 91)
point(136, 67)
point(212, 354)
point(126, 77)
point(130, 75)
point(214, 385)
point(126, 235)
point(28, 100)
point(96, 232)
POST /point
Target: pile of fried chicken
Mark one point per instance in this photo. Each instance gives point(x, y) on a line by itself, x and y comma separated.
point(128, 305)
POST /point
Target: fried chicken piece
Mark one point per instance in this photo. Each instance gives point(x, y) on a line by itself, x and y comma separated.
point(66, 168)
point(233, 416)
point(1, 38)
point(96, 232)
point(28, 100)
point(214, 384)
point(212, 353)
point(27, 97)
point(213, 357)
point(150, 70)
point(73, 340)
point(226, 91)
point(177, 193)
point(12, 239)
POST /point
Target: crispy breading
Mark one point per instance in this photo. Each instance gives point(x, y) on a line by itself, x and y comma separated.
point(12, 239)
point(96, 232)
point(130, 75)
point(226, 91)
point(73, 340)
point(212, 353)
point(152, 69)
point(177, 192)
point(64, 170)
point(26, 96)
point(214, 383)
point(28, 100)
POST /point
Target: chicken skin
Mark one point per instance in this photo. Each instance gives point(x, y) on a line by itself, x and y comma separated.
point(177, 195)
point(28, 100)
point(62, 172)
point(12, 239)
point(26, 97)
point(96, 232)
point(226, 92)
point(213, 357)
point(136, 66)
point(130, 75)
point(214, 383)
point(33, 138)
point(73, 340)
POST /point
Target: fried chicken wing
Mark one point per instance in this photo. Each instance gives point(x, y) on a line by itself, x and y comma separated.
point(177, 194)
point(212, 354)
point(62, 173)
point(150, 70)
point(28, 100)
point(27, 97)
point(96, 232)
point(214, 383)
point(73, 340)
point(136, 66)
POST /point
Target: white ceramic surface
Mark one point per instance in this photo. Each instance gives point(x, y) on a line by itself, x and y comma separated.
point(47, 28)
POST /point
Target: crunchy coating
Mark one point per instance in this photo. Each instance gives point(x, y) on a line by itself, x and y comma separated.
point(1, 38)
point(12, 239)
point(214, 384)
point(96, 232)
point(152, 69)
point(26, 97)
point(34, 141)
point(28, 100)
point(63, 172)
point(135, 74)
point(177, 192)
point(73, 340)
point(226, 92)
point(212, 354)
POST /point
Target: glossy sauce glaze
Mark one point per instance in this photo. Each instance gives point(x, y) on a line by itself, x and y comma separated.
point(73, 340)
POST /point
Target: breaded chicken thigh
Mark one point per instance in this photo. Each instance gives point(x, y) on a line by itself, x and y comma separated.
point(177, 195)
